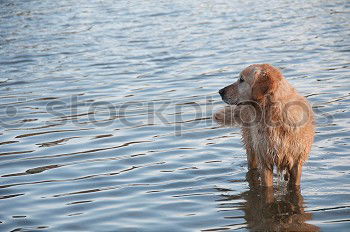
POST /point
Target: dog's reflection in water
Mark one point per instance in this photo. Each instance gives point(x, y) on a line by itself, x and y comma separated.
point(268, 211)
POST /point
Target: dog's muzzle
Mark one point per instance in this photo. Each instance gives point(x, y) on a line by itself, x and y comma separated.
point(222, 92)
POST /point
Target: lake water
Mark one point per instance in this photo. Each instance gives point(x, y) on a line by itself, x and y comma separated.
point(105, 117)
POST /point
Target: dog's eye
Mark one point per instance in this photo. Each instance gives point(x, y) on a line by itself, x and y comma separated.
point(241, 79)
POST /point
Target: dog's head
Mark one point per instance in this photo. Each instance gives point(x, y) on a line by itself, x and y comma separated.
point(254, 83)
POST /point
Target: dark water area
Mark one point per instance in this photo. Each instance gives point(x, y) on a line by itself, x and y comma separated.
point(105, 114)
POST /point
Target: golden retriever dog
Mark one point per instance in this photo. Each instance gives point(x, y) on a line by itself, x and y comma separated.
point(277, 123)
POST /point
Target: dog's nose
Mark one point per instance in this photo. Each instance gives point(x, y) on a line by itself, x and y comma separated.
point(222, 91)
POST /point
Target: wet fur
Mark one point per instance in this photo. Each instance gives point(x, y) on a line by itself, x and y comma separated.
point(277, 123)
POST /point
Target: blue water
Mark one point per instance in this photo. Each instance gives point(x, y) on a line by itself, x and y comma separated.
point(105, 114)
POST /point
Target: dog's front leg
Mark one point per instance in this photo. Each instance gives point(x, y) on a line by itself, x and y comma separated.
point(226, 116)
point(266, 177)
point(295, 174)
point(237, 115)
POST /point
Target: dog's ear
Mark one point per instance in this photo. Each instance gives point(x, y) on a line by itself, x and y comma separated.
point(266, 81)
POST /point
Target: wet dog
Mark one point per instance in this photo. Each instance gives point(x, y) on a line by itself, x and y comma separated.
point(277, 123)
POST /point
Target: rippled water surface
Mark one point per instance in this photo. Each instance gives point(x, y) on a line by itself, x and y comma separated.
point(106, 114)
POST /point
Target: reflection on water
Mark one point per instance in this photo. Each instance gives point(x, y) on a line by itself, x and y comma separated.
point(268, 209)
point(105, 114)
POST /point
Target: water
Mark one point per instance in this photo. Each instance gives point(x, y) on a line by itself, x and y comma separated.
point(106, 106)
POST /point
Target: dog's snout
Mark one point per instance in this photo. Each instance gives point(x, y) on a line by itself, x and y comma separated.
point(222, 91)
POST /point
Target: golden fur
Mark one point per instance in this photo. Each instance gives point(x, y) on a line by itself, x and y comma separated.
point(277, 123)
